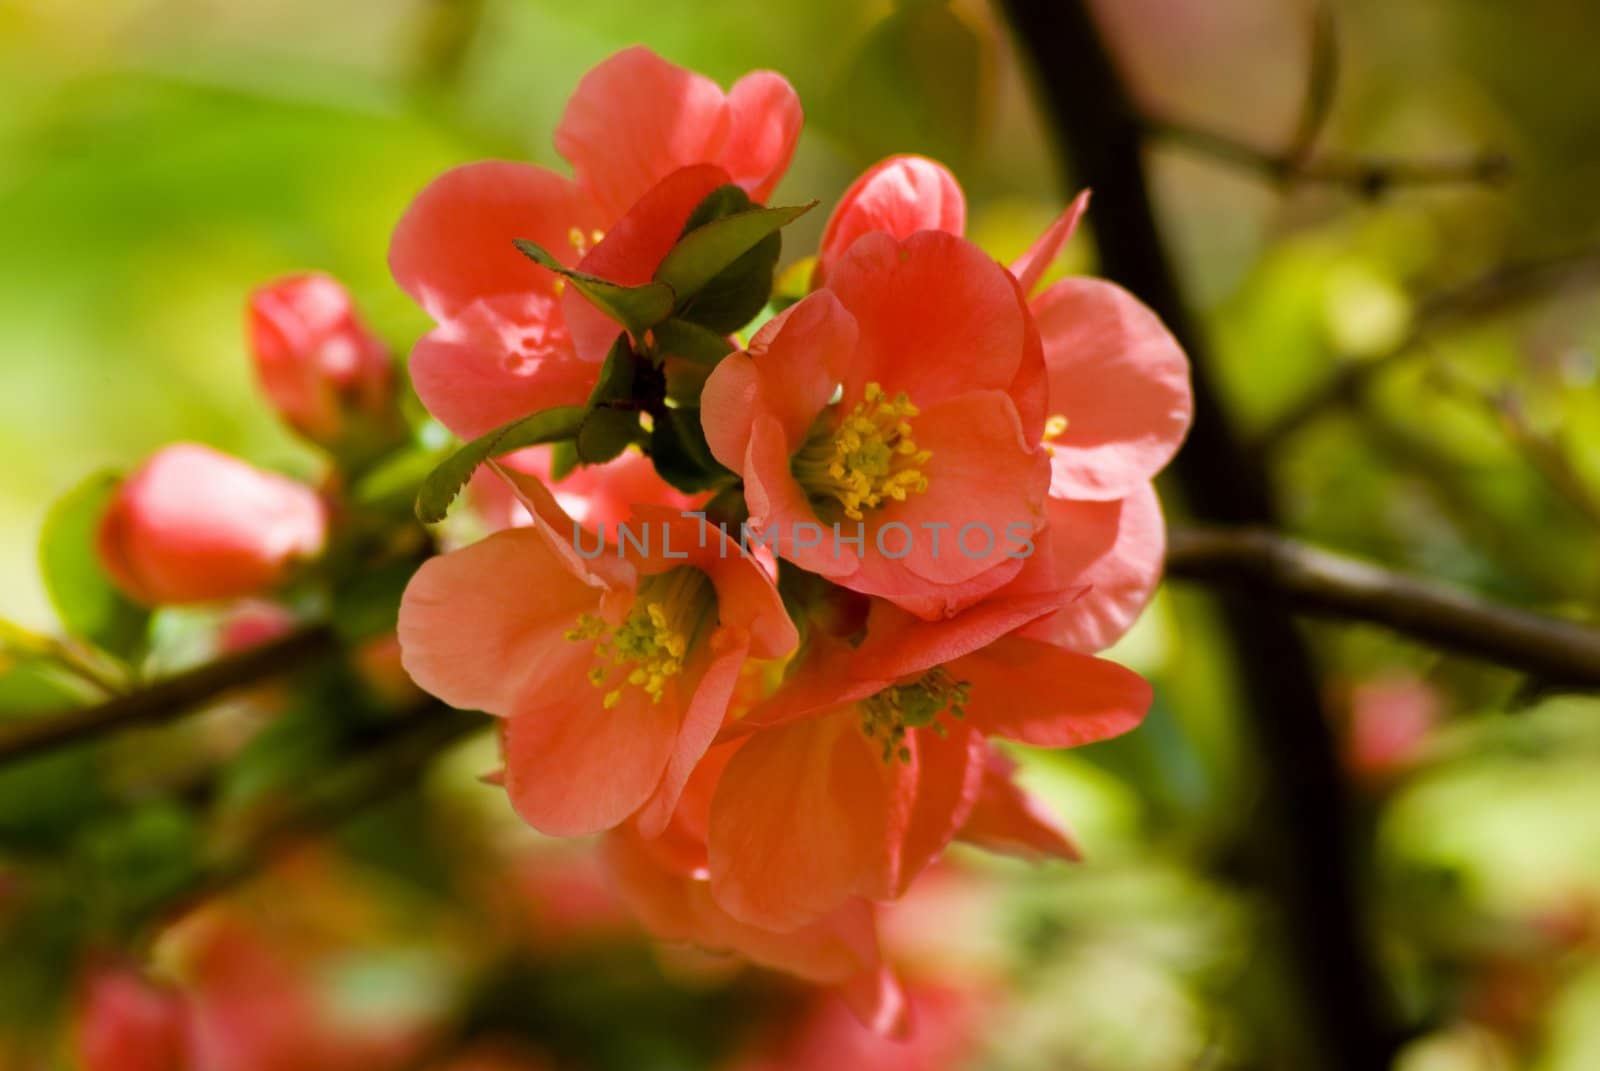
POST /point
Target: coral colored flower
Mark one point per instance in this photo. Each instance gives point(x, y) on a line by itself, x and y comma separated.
point(899, 196)
point(328, 376)
point(125, 1022)
point(665, 881)
point(647, 141)
point(861, 770)
point(613, 675)
point(599, 497)
point(1006, 819)
point(193, 525)
point(903, 405)
point(1118, 397)
point(635, 119)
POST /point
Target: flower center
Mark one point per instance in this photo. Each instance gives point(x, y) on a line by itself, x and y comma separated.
point(866, 459)
point(887, 716)
point(1054, 427)
point(648, 649)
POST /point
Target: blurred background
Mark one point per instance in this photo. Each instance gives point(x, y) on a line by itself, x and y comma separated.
point(1417, 363)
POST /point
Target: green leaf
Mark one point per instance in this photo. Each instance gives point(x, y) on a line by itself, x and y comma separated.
point(616, 375)
point(563, 459)
point(691, 341)
point(707, 251)
point(88, 603)
point(605, 434)
point(636, 308)
point(445, 482)
point(678, 447)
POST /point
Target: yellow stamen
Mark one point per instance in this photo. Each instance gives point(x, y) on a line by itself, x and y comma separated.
point(649, 648)
point(867, 458)
point(887, 716)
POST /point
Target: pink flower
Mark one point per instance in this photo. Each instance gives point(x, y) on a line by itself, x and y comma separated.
point(328, 376)
point(665, 881)
point(599, 497)
point(1118, 398)
point(194, 525)
point(861, 769)
point(638, 129)
point(903, 404)
point(614, 675)
point(124, 1022)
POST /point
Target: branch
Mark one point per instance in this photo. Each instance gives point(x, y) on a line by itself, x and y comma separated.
point(168, 698)
point(1321, 583)
point(1303, 838)
point(384, 768)
point(1366, 176)
point(1493, 292)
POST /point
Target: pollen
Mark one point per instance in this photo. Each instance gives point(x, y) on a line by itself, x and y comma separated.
point(868, 458)
point(648, 649)
point(892, 713)
point(1054, 426)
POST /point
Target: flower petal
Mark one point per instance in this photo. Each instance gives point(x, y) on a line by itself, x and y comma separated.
point(1035, 693)
point(898, 196)
point(800, 823)
point(453, 245)
point(496, 360)
point(1121, 381)
point(1115, 552)
point(1008, 820)
point(482, 627)
point(764, 120)
point(1031, 266)
point(632, 249)
point(937, 317)
point(574, 767)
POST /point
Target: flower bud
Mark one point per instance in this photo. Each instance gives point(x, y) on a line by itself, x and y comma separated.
point(328, 376)
point(124, 1022)
point(193, 525)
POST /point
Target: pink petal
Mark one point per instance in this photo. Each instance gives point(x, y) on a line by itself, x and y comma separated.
point(632, 249)
point(497, 360)
point(1121, 381)
point(949, 775)
point(453, 245)
point(1031, 266)
point(635, 118)
point(1115, 552)
point(898, 196)
point(573, 767)
point(1036, 693)
point(764, 120)
point(482, 627)
point(704, 718)
point(937, 317)
point(799, 823)
point(1007, 820)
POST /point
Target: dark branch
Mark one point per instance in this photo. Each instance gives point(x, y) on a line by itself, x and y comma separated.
point(1303, 837)
point(1367, 176)
point(1320, 583)
point(168, 698)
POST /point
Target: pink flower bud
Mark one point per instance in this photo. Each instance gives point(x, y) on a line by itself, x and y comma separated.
point(899, 196)
point(193, 525)
point(125, 1023)
point(324, 371)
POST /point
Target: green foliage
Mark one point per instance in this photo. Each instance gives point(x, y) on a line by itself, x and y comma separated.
point(722, 267)
point(89, 605)
point(678, 445)
point(636, 308)
point(446, 481)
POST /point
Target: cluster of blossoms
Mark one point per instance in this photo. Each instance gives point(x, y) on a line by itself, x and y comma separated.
point(768, 573)
point(828, 563)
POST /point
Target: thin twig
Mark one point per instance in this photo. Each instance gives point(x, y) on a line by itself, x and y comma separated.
point(388, 766)
point(1491, 293)
point(1366, 176)
point(167, 698)
point(1320, 583)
